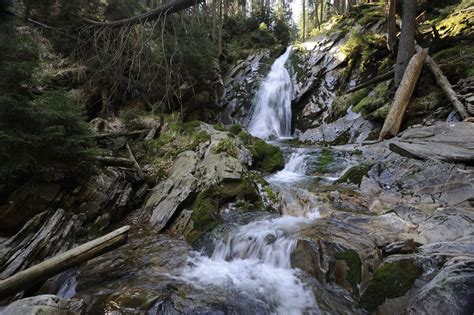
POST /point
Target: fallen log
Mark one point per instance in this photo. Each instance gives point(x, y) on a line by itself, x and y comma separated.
point(378, 79)
point(152, 133)
point(29, 277)
point(114, 161)
point(444, 84)
point(403, 95)
point(121, 134)
point(134, 161)
point(166, 9)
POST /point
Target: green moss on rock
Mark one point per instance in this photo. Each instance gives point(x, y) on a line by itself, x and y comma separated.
point(373, 101)
point(267, 157)
point(207, 205)
point(205, 211)
point(354, 174)
point(324, 160)
point(352, 259)
point(390, 281)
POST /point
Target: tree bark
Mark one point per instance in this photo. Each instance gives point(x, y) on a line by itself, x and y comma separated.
point(26, 15)
point(391, 25)
point(304, 18)
point(120, 134)
point(378, 79)
point(165, 9)
point(135, 162)
point(114, 161)
point(406, 47)
point(403, 95)
point(29, 277)
point(445, 85)
point(219, 30)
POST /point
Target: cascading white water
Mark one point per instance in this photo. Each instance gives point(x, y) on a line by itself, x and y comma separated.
point(255, 260)
point(295, 168)
point(271, 112)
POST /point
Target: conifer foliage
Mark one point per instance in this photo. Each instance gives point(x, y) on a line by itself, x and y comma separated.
point(42, 133)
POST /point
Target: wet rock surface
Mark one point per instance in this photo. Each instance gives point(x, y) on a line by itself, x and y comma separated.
point(43, 304)
point(449, 142)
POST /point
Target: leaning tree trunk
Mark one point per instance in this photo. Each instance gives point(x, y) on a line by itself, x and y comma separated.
point(402, 98)
point(406, 47)
point(444, 84)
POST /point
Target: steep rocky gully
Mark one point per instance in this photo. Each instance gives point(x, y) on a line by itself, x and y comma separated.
point(316, 219)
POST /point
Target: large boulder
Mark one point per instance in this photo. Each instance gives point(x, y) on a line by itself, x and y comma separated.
point(450, 142)
point(167, 196)
point(44, 304)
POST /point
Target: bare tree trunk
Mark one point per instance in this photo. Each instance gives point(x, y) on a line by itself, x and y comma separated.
point(403, 95)
point(406, 47)
point(304, 18)
point(221, 21)
point(226, 8)
point(444, 84)
point(322, 12)
point(391, 25)
point(26, 15)
point(214, 22)
point(316, 16)
point(48, 268)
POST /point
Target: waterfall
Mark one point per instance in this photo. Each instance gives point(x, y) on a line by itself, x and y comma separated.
point(271, 111)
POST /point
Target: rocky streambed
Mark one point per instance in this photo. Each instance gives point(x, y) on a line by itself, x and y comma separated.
point(315, 222)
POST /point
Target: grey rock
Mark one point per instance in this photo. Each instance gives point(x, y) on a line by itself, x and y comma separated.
point(168, 195)
point(447, 224)
point(450, 142)
point(43, 304)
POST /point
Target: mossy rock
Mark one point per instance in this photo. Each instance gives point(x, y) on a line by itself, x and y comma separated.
point(205, 211)
point(266, 157)
point(354, 174)
point(342, 102)
point(390, 281)
point(207, 205)
point(376, 99)
point(354, 264)
point(325, 158)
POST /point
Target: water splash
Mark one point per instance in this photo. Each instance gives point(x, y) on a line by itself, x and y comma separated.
point(295, 168)
point(255, 260)
point(271, 112)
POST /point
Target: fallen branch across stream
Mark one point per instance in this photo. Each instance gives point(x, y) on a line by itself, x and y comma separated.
point(29, 277)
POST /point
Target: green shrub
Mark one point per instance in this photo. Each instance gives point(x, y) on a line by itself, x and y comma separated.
point(228, 146)
point(219, 127)
point(235, 129)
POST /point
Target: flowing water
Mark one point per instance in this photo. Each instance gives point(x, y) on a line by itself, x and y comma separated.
point(255, 258)
point(271, 113)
